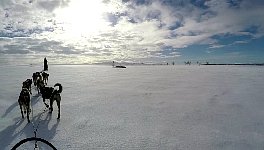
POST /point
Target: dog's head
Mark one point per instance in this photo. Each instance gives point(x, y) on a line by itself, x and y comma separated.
point(45, 75)
point(28, 82)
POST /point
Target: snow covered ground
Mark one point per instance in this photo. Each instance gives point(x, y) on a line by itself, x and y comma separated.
point(140, 107)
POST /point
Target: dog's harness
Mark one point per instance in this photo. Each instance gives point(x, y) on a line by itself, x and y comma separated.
point(26, 88)
point(35, 128)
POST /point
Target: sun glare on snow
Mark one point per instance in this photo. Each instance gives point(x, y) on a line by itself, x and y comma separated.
point(82, 17)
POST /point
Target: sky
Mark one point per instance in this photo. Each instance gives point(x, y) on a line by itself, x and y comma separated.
point(149, 31)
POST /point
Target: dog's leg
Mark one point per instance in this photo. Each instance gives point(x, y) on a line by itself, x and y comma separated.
point(21, 109)
point(25, 109)
point(58, 104)
point(51, 104)
point(30, 90)
point(38, 89)
point(28, 111)
point(45, 103)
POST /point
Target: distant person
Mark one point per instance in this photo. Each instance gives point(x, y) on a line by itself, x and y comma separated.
point(45, 64)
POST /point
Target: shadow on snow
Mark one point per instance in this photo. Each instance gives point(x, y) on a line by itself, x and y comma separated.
point(40, 121)
point(34, 100)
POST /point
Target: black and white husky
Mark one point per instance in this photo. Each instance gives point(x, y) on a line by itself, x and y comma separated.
point(45, 77)
point(35, 77)
point(27, 84)
point(52, 94)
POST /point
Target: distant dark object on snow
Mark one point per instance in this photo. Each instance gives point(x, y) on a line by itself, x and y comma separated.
point(119, 66)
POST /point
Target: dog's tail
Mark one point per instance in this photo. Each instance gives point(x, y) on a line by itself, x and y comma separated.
point(60, 87)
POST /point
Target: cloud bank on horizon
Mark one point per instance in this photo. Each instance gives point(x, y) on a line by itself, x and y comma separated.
point(81, 31)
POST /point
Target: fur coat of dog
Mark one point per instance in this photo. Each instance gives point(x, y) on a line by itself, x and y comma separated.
point(52, 94)
point(24, 102)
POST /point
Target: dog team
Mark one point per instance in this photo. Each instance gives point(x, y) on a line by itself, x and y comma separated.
point(40, 80)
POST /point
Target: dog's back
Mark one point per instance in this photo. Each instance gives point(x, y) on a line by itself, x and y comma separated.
point(46, 92)
point(24, 97)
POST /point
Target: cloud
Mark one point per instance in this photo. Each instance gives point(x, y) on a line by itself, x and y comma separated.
point(193, 25)
point(216, 46)
point(240, 42)
point(24, 19)
point(51, 5)
point(131, 29)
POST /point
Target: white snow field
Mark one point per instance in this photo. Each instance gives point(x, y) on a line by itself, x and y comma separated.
point(140, 107)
